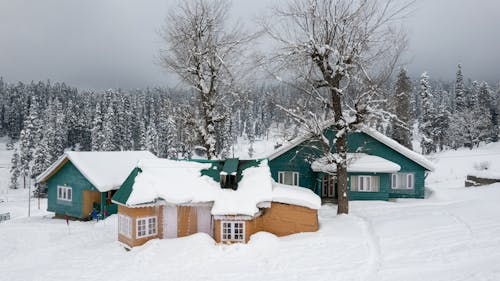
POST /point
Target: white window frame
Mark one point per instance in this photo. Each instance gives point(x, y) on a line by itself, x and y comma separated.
point(231, 236)
point(295, 177)
point(64, 193)
point(148, 231)
point(396, 181)
point(362, 179)
point(125, 225)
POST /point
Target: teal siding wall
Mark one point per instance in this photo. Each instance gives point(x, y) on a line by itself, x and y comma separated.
point(382, 194)
point(366, 144)
point(299, 158)
point(68, 175)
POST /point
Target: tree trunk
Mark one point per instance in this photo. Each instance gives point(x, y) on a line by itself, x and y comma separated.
point(341, 148)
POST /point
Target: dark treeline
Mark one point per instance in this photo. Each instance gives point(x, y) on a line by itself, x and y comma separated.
point(45, 119)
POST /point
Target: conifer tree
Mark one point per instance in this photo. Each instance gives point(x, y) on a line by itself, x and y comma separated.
point(97, 129)
point(403, 110)
point(15, 170)
point(108, 130)
point(460, 98)
point(426, 126)
point(152, 139)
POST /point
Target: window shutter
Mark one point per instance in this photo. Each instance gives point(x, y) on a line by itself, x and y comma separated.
point(376, 183)
point(409, 181)
point(354, 183)
point(280, 177)
point(295, 178)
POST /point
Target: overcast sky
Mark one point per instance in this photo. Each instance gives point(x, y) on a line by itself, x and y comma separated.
point(102, 44)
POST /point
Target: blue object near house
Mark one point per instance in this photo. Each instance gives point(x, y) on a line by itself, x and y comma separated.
point(378, 168)
point(80, 182)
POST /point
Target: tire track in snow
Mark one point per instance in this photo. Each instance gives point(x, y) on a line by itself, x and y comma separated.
point(375, 253)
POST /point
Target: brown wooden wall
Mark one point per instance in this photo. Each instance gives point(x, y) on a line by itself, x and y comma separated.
point(135, 213)
point(187, 221)
point(280, 219)
point(284, 219)
point(88, 199)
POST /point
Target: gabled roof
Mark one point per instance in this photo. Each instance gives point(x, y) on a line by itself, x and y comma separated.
point(105, 170)
point(410, 154)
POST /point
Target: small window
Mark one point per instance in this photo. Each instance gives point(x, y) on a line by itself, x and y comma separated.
point(125, 225)
point(146, 227)
point(288, 177)
point(64, 193)
point(233, 231)
point(402, 181)
point(364, 183)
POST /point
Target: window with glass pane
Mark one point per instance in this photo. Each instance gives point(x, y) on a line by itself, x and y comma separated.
point(364, 183)
point(152, 226)
point(402, 181)
point(233, 231)
point(288, 177)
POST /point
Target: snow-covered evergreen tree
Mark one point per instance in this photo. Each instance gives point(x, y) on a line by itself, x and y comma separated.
point(108, 130)
point(401, 131)
point(152, 139)
point(15, 170)
point(460, 96)
point(97, 129)
point(427, 123)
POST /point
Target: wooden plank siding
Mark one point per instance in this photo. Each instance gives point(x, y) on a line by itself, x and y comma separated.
point(280, 219)
point(68, 175)
point(299, 159)
point(134, 214)
point(89, 197)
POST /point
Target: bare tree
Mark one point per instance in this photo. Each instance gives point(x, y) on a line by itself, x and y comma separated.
point(205, 54)
point(340, 51)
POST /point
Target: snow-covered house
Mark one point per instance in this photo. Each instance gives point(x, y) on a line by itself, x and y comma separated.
point(79, 182)
point(378, 167)
point(227, 199)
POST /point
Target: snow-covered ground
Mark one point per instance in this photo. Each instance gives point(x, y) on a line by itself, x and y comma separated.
point(454, 234)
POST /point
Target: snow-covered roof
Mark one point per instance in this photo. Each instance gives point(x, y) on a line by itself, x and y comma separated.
point(182, 182)
point(106, 170)
point(295, 195)
point(410, 154)
point(358, 162)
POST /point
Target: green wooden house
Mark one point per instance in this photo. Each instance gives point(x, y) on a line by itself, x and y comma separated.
point(378, 168)
point(79, 182)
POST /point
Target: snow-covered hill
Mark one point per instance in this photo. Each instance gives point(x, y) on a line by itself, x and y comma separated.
point(454, 234)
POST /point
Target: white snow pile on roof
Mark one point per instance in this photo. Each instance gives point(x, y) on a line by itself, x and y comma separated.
point(179, 182)
point(106, 170)
point(173, 181)
point(410, 154)
point(254, 187)
point(295, 195)
point(357, 162)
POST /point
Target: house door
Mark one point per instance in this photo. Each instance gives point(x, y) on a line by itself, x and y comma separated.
point(328, 187)
point(205, 222)
point(170, 222)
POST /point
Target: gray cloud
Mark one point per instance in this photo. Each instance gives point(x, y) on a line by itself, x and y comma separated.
point(114, 43)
